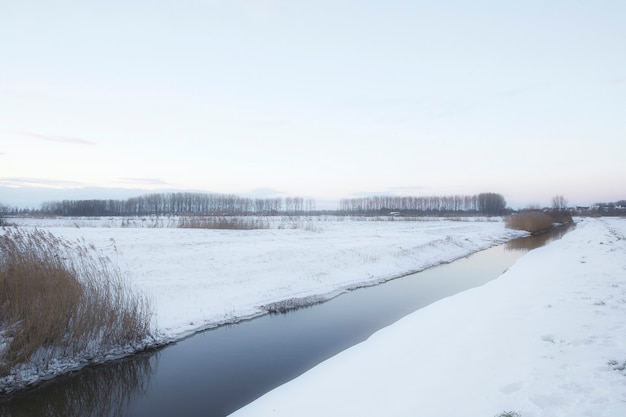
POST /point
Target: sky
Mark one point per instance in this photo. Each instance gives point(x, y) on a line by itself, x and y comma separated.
point(321, 99)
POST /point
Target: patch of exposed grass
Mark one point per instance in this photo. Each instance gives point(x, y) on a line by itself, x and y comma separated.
point(530, 221)
point(62, 300)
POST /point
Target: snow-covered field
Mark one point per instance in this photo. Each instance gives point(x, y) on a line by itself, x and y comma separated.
point(198, 278)
point(547, 338)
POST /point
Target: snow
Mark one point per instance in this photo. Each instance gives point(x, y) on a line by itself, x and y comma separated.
point(547, 338)
point(198, 278)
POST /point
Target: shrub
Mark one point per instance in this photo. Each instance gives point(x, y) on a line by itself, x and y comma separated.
point(509, 414)
point(61, 300)
point(531, 221)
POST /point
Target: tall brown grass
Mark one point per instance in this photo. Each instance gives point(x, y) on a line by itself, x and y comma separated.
point(531, 221)
point(223, 222)
point(62, 300)
point(561, 216)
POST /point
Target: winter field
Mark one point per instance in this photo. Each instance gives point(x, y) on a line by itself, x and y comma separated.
point(199, 278)
point(547, 338)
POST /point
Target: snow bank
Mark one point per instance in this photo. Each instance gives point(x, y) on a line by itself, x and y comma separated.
point(547, 338)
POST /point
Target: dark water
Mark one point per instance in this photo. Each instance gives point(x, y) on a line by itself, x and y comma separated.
point(218, 371)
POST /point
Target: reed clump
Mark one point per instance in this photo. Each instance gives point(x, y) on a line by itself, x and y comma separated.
point(561, 216)
point(223, 222)
point(62, 300)
point(530, 221)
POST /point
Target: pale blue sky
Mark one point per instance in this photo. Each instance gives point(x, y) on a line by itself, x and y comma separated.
point(324, 99)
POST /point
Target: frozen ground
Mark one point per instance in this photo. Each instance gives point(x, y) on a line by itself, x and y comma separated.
point(547, 338)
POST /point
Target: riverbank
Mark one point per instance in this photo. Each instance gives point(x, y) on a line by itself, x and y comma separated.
point(547, 338)
point(198, 279)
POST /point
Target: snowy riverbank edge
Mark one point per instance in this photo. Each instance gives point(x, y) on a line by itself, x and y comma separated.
point(200, 279)
point(547, 338)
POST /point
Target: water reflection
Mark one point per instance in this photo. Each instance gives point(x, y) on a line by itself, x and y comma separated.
point(525, 244)
point(104, 390)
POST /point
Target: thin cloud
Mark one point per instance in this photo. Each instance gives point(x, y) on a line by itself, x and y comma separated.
point(49, 138)
point(3, 153)
point(37, 182)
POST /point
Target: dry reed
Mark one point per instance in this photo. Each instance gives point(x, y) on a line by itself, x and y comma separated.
point(531, 221)
point(62, 300)
point(223, 222)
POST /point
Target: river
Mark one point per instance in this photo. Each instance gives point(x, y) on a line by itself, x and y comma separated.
point(215, 372)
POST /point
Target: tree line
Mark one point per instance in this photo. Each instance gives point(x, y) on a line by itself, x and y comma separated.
point(186, 203)
point(180, 204)
point(484, 203)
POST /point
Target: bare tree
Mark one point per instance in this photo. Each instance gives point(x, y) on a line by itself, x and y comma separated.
point(559, 202)
point(491, 203)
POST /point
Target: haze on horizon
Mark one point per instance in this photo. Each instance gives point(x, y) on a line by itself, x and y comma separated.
point(325, 99)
